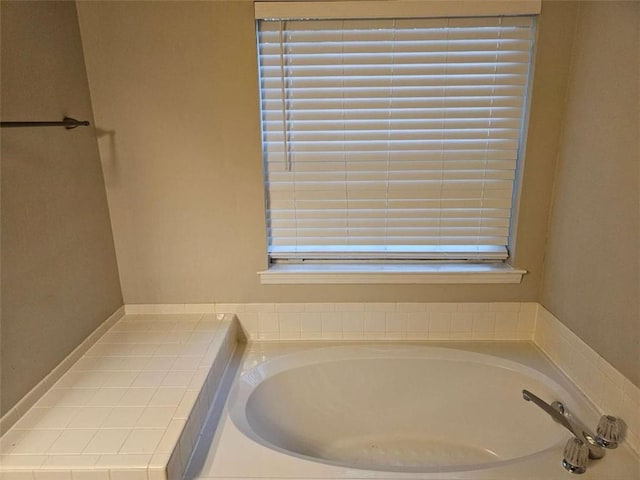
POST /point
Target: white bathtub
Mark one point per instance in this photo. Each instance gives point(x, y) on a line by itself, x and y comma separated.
point(397, 411)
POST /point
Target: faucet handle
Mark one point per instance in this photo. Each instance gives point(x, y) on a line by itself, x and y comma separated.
point(576, 456)
point(609, 431)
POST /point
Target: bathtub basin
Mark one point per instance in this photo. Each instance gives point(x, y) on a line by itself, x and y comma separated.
point(389, 408)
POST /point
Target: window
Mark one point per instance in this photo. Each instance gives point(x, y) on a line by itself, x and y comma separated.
point(392, 139)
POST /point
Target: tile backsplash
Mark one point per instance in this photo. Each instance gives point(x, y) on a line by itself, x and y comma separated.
point(608, 389)
point(372, 321)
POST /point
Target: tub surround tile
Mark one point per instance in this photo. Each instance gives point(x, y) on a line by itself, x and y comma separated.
point(607, 388)
point(141, 392)
point(384, 321)
point(171, 358)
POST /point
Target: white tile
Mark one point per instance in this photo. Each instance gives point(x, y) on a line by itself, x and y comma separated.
point(171, 436)
point(149, 379)
point(144, 349)
point(142, 441)
point(177, 379)
point(310, 321)
point(167, 397)
point(631, 391)
point(186, 363)
point(268, 322)
point(417, 335)
point(122, 462)
point(81, 474)
point(331, 322)
point(289, 322)
point(396, 323)
point(292, 335)
point(417, 323)
point(119, 379)
point(107, 441)
point(439, 323)
point(79, 379)
point(352, 322)
point(123, 417)
point(249, 322)
point(462, 322)
point(57, 417)
point(70, 462)
point(615, 377)
point(526, 322)
point(89, 417)
point(22, 462)
point(484, 324)
point(137, 397)
point(107, 397)
point(506, 322)
point(207, 324)
point(268, 336)
point(311, 335)
point(35, 442)
point(72, 442)
point(17, 475)
point(374, 322)
point(529, 307)
point(356, 335)
point(155, 417)
point(128, 474)
point(67, 397)
point(186, 405)
point(329, 335)
point(159, 461)
point(156, 473)
point(52, 474)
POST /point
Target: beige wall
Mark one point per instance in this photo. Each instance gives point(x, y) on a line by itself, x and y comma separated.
point(59, 274)
point(592, 267)
point(174, 88)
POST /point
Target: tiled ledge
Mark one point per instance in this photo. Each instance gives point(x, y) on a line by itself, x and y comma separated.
point(130, 408)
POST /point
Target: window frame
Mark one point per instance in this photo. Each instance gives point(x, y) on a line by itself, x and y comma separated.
point(392, 271)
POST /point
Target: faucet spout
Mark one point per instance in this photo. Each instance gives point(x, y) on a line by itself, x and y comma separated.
point(560, 415)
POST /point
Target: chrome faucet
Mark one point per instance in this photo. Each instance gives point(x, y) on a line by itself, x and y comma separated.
point(575, 459)
point(559, 413)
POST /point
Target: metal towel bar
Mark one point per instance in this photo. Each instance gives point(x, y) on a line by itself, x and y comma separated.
point(67, 122)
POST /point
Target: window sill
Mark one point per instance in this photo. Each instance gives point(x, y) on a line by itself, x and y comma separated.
point(452, 273)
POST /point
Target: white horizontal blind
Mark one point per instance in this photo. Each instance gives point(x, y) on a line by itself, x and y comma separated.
point(392, 138)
